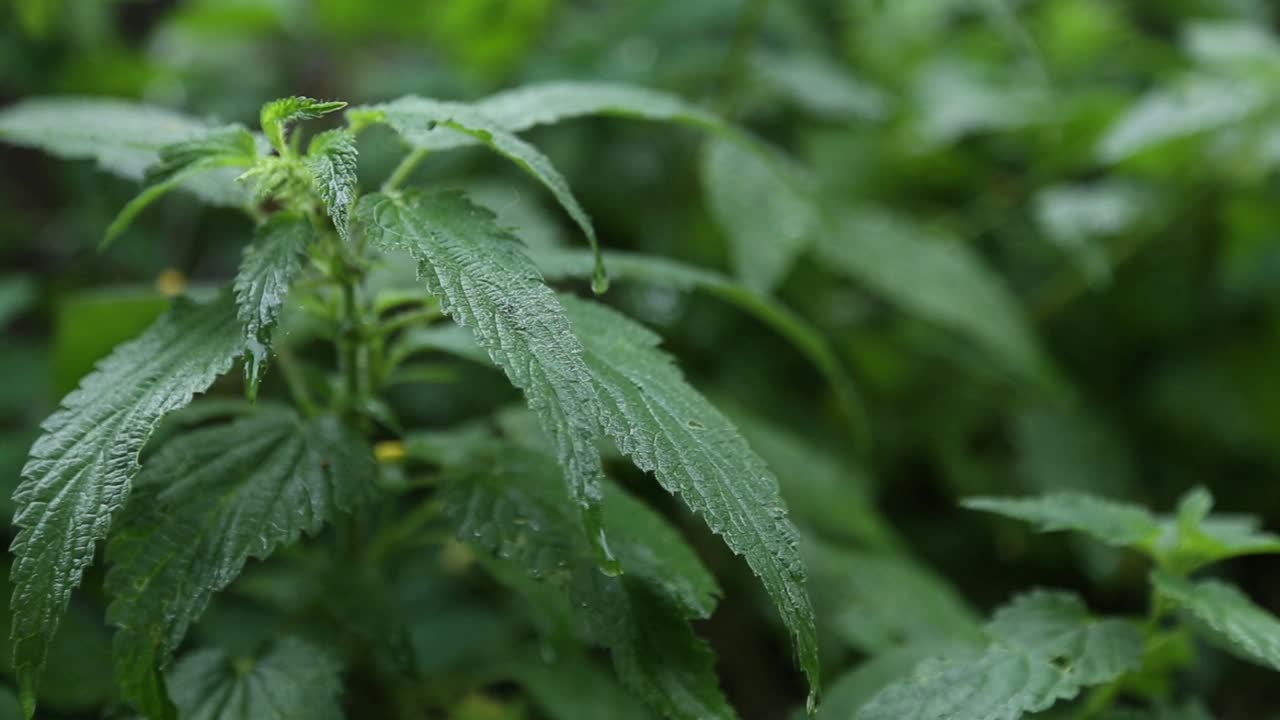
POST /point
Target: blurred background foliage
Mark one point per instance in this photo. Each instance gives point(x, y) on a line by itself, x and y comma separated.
point(1056, 265)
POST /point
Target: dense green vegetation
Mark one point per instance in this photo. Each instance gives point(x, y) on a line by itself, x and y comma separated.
point(863, 359)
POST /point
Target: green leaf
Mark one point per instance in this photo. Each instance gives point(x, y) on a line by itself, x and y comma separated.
point(662, 272)
point(331, 157)
point(277, 115)
point(1044, 648)
point(17, 293)
point(548, 103)
point(1193, 105)
point(821, 87)
point(486, 283)
point(937, 279)
point(667, 428)
point(80, 470)
point(232, 146)
point(202, 506)
point(876, 602)
point(760, 204)
point(1225, 616)
point(291, 680)
point(124, 138)
point(1108, 521)
point(571, 687)
point(1190, 540)
point(269, 267)
point(415, 118)
point(510, 502)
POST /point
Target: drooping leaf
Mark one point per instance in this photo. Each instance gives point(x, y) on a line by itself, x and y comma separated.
point(203, 505)
point(124, 138)
point(658, 420)
point(767, 215)
point(486, 283)
point(661, 272)
point(510, 501)
point(277, 115)
point(1226, 616)
point(1044, 648)
point(80, 470)
point(331, 157)
point(269, 267)
point(291, 680)
point(416, 118)
point(937, 279)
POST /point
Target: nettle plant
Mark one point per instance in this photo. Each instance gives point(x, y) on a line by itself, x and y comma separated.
point(182, 513)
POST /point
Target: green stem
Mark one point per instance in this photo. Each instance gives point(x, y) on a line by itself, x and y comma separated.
point(349, 344)
point(404, 169)
point(744, 38)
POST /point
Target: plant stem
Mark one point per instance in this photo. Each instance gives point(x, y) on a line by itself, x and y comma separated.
point(404, 320)
point(404, 169)
point(349, 344)
point(744, 38)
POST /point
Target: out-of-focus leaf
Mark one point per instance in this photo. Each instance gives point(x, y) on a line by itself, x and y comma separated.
point(1226, 616)
point(17, 293)
point(821, 87)
point(291, 680)
point(1077, 217)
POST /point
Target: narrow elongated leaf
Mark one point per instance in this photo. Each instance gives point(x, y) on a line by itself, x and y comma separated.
point(670, 430)
point(1044, 648)
point(1193, 105)
point(416, 118)
point(937, 279)
point(768, 217)
point(124, 138)
point(526, 107)
point(510, 501)
point(486, 283)
point(269, 267)
point(277, 115)
point(1226, 616)
point(1192, 539)
point(203, 505)
point(80, 470)
point(292, 680)
point(661, 272)
point(331, 157)
point(1108, 521)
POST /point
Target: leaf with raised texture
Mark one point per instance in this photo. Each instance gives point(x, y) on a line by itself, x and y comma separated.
point(203, 505)
point(936, 278)
point(331, 157)
point(416, 118)
point(557, 264)
point(667, 428)
point(486, 283)
point(292, 680)
point(269, 267)
point(1044, 648)
point(124, 138)
point(510, 502)
point(1225, 616)
point(763, 208)
point(277, 115)
point(80, 470)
